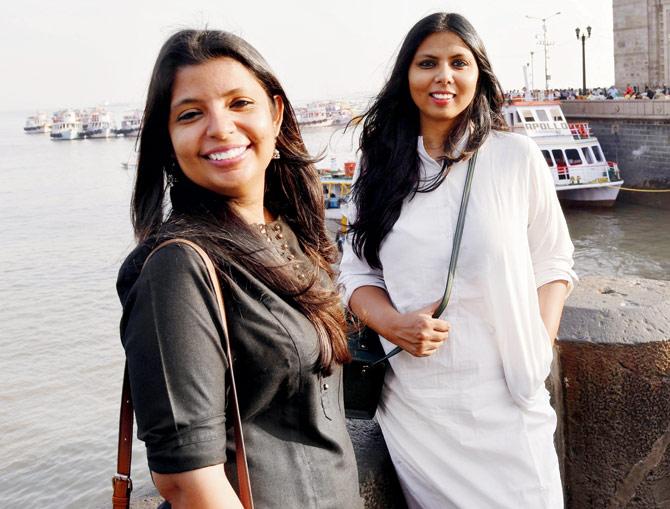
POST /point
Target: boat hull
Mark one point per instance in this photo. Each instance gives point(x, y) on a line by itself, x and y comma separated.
point(37, 129)
point(590, 196)
point(67, 135)
point(100, 133)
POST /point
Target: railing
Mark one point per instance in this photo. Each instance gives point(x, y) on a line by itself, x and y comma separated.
point(613, 171)
point(580, 130)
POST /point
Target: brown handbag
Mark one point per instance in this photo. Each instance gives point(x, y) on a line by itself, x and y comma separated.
point(121, 482)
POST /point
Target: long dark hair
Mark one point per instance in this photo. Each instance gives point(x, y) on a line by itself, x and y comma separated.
point(389, 161)
point(292, 191)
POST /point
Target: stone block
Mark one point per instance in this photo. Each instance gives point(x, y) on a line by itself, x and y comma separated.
point(615, 368)
point(378, 481)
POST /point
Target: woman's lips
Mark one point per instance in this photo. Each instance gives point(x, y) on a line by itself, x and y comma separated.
point(442, 98)
point(228, 156)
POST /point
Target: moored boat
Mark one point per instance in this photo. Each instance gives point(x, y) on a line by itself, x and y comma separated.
point(67, 126)
point(37, 124)
point(130, 124)
point(313, 115)
point(582, 175)
point(99, 124)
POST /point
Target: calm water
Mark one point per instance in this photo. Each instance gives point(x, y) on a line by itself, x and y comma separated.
point(64, 218)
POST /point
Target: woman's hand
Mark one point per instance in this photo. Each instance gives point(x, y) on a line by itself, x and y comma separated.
point(417, 332)
point(204, 488)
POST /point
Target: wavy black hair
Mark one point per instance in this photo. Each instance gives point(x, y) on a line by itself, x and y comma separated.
point(389, 170)
point(292, 191)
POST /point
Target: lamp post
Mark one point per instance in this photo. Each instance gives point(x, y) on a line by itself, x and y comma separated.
point(584, 37)
point(544, 42)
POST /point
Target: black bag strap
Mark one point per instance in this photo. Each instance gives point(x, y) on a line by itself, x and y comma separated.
point(458, 234)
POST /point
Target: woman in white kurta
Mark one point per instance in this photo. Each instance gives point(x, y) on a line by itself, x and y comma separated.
point(464, 411)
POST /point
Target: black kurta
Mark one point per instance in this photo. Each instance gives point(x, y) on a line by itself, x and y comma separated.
point(298, 449)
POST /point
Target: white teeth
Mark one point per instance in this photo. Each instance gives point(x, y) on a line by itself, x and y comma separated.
point(226, 154)
point(442, 96)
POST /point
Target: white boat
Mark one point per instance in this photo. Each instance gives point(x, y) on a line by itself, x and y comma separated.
point(99, 124)
point(313, 115)
point(67, 126)
point(581, 173)
point(130, 124)
point(39, 123)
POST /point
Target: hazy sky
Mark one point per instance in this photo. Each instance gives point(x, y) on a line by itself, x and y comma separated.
point(76, 53)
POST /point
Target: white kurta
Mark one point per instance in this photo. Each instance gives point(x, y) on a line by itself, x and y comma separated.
point(471, 425)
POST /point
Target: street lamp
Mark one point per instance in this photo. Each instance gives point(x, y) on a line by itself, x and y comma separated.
point(584, 37)
point(546, 44)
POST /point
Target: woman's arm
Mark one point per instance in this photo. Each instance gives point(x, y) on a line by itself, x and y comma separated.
point(204, 488)
point(551, 297)
point(416, 332)
point(176, 365)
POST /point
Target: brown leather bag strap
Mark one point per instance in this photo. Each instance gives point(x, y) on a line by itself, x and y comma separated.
point(121, 482)
point(121, 501)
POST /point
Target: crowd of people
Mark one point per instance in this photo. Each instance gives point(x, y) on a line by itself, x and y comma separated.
point(660, 92)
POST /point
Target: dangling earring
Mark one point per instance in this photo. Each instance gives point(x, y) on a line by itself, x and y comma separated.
point(276, 154)
point(171, 173)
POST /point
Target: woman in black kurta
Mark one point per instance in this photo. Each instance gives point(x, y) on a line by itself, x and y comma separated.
point(284, 320)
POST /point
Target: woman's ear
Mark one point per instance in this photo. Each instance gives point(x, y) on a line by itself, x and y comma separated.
point(278, 116)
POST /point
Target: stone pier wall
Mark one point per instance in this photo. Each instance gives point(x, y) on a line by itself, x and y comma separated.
point(635, 134)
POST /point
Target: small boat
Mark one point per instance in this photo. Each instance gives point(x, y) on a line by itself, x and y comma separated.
point(67, 125)
point(37, 124)
point(582, 175)
point(313, 115)
point(99, 124)
point(130, 124)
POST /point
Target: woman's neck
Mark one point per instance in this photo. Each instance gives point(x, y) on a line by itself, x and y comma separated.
point(253, 212)
point(434, 135)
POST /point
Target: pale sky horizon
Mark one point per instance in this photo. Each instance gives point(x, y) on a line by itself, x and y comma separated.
point(77, 53)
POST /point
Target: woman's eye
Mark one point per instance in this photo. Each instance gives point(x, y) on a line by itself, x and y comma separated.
point(240, 103)
point(187, 115)
point(426, 64)
point(459, 63)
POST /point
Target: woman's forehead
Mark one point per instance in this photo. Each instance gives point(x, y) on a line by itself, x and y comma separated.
point(216, 77)
point(443, 42)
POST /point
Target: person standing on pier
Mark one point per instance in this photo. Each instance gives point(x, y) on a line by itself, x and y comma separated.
point(219, 130)
point(464, 409)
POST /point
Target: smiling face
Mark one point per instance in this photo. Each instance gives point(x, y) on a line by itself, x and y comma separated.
point(442, 81)
point(223, 127)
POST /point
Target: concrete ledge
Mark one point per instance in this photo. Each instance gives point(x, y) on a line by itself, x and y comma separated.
point(615, 374)
point(617, 311)
point(620, 109)
point(377, 478)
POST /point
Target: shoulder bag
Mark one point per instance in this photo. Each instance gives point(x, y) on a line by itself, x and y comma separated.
point(364, 375)
point(121, 482)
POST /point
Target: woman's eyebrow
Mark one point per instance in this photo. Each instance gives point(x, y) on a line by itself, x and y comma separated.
point(459, 54)
point(190, 100)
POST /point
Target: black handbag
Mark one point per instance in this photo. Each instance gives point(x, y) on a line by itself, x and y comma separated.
point(364, 375)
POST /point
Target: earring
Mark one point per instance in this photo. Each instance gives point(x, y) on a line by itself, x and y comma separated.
point(171, 179)
point(276, 154)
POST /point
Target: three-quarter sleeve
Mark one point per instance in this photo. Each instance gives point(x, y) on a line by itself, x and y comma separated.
point(171, 332)
point(354, 271)
point(551, 249)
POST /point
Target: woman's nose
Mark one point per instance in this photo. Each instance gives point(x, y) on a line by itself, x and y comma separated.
point(221, 124)
point(444, 74)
